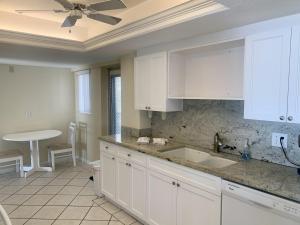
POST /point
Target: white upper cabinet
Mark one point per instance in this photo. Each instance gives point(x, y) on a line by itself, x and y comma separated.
point(293, 115)
point(266, 82)
point(151, 84)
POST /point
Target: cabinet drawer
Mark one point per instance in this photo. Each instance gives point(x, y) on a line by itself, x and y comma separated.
point(133, 156)
point(108, 147)
point(198, 179)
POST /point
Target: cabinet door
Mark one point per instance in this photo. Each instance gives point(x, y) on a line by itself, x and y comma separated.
point(161, 199)
point(158, 82)
point(266, 75)
point(138, 190)
point(108, 166)
point(195, 206)
point(123, 183)
point(142, 66)
point(293, 115)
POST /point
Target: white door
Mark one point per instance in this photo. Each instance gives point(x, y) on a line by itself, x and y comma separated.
point(266, 75)
point(161, 199)
point(293, 115)
point(158, 82)
point(123, 183)
point(142, 66)
point(138, 190)
point(108, 166)
point(195, 206)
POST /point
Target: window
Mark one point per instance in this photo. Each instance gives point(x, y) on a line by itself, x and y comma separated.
point(115, 102)
point(84, 92)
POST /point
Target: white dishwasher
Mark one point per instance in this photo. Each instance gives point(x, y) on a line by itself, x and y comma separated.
point(243, 205)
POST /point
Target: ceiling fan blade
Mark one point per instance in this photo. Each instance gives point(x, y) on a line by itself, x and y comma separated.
point(70, 21)
point(108, 5)
point(104, 18)
point(41, 10)
point(65, 3)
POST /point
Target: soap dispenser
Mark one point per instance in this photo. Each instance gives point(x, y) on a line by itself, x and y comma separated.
point(246, 151)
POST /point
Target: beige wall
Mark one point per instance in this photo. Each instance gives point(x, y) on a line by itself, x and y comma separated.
point(130, 117)
point(97, 120)
point(45, 93)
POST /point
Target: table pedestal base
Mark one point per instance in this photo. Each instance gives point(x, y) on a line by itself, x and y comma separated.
point(35, 161)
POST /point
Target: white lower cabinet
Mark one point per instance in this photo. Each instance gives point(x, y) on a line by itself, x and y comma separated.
point(159, 192)
point(123, 183)
point(195, 206)
point(138, 190)
point(161, 199)
point(108, 178)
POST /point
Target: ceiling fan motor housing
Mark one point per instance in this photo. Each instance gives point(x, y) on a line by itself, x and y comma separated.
point(76, 13)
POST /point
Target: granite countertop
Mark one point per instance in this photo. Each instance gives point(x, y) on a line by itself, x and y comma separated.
point(272, 178)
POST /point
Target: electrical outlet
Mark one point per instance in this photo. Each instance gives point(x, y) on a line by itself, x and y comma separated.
point(276, 139)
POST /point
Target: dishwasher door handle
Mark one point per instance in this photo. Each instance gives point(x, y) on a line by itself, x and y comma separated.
point(260, 204)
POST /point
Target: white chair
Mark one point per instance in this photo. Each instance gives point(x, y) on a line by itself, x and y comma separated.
point(13, 155)
point(62, 148)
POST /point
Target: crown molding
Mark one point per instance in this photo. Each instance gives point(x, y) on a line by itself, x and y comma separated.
point(179, 14)
point(14, 37)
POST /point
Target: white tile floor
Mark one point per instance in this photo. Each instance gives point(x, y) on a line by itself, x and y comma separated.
point(64, 197)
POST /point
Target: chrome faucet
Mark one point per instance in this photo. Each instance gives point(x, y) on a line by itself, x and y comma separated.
point(217, 143)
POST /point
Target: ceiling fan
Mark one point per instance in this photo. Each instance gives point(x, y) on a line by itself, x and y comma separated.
point(76, 10)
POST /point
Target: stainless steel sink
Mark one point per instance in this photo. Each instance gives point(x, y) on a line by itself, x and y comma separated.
point(200, 157)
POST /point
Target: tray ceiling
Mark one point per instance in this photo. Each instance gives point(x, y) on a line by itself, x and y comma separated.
point(48, 24)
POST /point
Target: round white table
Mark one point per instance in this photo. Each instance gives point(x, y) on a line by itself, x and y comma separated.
point(33, 137)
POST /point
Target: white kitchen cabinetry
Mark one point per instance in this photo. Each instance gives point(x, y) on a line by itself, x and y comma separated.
point(179, 196)
point(161, 199)
point(151, 84)
point(159, 192)
point(293, 115)
point(203, 207)
point(123, 182)
point(272, 76)
point(108, 176)
point(125, 177)
point(207, 72)
point(138, 190)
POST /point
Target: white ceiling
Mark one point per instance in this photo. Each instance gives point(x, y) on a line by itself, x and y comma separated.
point(48, 23)
point(242, 12)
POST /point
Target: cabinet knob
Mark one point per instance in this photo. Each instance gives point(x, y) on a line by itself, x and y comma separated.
point(106, 147)
point(290, 118)
point(178, 185)
point(113, 158)
point(174, 183)
point(282, 118)
point(129, 155)
point(129, 164)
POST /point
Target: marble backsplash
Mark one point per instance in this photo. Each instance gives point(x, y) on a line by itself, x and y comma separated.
point(201, 119)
